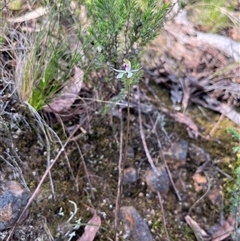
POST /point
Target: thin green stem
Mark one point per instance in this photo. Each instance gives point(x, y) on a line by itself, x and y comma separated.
point(128, 124)
point(122, 165)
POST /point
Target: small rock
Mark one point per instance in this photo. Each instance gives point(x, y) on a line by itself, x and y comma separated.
point(200, 182)
point(135, 226)
point(12, 201)
point(140, 194)
point(216, 196)
point(130, 152)
point(130, 175)
point(158, 183)
point(198, 154)
point(176, 155)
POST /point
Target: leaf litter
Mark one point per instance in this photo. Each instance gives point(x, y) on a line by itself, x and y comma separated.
point(70, 92)
point(91, 228)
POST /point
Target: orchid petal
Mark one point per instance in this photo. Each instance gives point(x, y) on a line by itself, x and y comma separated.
point(119, 71)
point(134, 70)
point(120, 75)
point(129, 74)
point(128, 65)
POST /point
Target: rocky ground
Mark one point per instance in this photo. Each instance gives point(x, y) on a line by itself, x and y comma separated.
point(193, 174)
point(179, 167)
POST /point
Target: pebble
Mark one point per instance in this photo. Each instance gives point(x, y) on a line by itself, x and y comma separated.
point(130, 175)
point(176, 155)
point(12, 201)
point(198, 154)
point(158, 183)
point(135, 226)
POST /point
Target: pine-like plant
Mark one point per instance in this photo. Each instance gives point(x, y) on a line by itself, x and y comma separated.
point(120, 28)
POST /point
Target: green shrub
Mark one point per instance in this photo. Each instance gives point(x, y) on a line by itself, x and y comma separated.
point(116, 29)
point(120, 28)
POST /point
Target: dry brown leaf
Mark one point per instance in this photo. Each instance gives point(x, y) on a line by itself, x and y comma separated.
point(224, 231)
point(91, 228)
point(68, 95)
point(200, 234)
point(30, 15)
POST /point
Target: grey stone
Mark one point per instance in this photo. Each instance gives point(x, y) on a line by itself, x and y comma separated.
point(135, 226)
point(159, 183)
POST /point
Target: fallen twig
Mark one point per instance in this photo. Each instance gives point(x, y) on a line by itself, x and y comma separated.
point(143, 138)
point(85, 169)
point(204, 195)
point(163, 216)
point(166, 165)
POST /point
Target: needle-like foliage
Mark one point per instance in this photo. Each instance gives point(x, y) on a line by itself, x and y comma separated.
point(120, 28)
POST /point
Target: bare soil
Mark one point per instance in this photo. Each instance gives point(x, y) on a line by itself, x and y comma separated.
point(85, 176)
point(24, 157)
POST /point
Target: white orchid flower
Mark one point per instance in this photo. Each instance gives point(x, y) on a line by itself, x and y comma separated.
point(128, 70)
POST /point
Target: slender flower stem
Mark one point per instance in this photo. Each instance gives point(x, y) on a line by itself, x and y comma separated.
point(122, 165)
point(123, 158)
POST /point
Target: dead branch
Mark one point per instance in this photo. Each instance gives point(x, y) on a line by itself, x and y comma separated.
point(143, 138)
point(185, 33)
point(166, 165)
point(163, 216)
